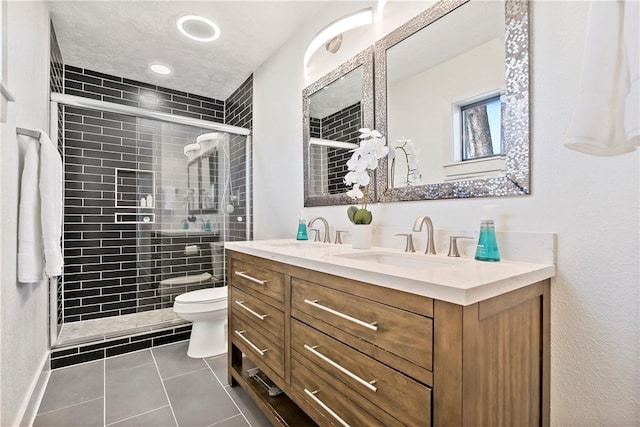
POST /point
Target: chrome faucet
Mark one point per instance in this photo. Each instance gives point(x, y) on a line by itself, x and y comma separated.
point(417, 226)
point(327, 238)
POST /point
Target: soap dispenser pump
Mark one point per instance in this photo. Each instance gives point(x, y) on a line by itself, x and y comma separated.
point(487, 249)
point(302, 227)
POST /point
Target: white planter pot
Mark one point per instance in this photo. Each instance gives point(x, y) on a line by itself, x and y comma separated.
point(361, 236)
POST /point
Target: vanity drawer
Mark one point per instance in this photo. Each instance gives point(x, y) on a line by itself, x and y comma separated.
point(402, 333)
point(359, 376)
point(257, 311)
point(258, 345)
point(323, 396)
point(264, 281)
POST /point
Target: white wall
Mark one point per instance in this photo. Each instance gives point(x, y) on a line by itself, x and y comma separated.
point(23, 308)
point(591, 203)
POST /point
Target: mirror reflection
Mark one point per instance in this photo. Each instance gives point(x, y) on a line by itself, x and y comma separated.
point(444, 86)
point(334, 108)
point(335, 115)
point(452, 97)
point(203, 183)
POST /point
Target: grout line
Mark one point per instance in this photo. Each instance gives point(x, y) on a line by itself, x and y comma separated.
point(144, 413)
point(227, 419)
point(69, 406)
point(185, 373)
point(164, 388)
point(227, 391)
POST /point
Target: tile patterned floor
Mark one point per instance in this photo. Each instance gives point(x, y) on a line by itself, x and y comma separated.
point(156, 388)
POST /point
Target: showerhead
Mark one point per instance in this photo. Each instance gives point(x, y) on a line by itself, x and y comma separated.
point(189, 149)
point(212, 136)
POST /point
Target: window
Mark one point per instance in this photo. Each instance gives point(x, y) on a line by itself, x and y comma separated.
point(481, 128)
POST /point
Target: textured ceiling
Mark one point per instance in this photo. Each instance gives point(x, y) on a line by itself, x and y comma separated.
point(123, 37)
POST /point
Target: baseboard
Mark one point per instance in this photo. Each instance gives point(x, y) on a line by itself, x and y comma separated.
point(30, 406)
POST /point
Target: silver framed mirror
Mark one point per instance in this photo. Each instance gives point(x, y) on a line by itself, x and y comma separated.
point(452, 97)
point(334, 108)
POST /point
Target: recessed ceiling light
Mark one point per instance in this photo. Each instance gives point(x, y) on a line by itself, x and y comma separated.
point(198, 28)
point(160, 69)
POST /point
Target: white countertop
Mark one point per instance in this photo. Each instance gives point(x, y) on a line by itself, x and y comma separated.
point(461, 281)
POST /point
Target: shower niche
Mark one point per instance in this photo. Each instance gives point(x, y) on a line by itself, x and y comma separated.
point(135, 196)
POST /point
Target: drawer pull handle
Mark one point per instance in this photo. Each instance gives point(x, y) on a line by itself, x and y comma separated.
point(249, 343)
point(373, 326)
point(311, 394)
point(244, 275)
point(345, 371)
point(259, 316)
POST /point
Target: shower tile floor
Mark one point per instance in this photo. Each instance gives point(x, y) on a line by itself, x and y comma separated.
point(108, 327)
point(157, 387)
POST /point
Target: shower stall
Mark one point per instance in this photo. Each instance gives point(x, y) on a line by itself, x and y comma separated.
point(150, 198)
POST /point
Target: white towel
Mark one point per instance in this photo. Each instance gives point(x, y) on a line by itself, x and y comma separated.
point(29, 229)
point(51, 200)
point(605, 121)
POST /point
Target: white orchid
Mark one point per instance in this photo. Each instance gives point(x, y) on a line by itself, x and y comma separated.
point(364, 159)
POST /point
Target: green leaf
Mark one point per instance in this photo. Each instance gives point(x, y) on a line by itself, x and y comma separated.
point(362, 216)
point(351, 211)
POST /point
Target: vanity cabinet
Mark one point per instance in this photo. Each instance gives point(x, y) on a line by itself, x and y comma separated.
point(347, 352)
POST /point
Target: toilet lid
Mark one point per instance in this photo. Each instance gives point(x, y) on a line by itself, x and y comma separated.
point(203, 295)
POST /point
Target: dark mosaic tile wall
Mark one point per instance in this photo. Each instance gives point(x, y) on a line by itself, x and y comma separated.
point(57, 64)
point(56, 84)
point(239, 112)
point(119, 90)
point(114, 268)
point(340, 126)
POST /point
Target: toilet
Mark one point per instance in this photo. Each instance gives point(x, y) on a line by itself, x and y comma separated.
point(207, 309)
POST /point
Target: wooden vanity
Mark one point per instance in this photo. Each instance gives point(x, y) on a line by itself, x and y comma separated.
point(346, 352)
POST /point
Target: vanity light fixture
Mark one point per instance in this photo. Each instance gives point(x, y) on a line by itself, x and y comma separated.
point(198, 28)
point(347, 22)
point(160, 69)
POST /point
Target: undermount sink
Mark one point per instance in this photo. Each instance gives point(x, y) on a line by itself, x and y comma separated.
point(405, 260)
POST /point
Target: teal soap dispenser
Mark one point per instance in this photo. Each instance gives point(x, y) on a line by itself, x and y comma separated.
point(487, 249)
point(302, 227)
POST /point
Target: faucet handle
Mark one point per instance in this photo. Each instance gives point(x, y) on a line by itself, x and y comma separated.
point(409, 242)
point(317, 235)
point(338, 240)
point(453, 245)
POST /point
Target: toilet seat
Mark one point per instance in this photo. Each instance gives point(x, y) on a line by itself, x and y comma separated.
point(202, 301)
point(203, 296)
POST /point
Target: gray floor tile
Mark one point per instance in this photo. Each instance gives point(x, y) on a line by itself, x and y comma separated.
point(130, 360)
point(237, 421)
point(248, 407)
point(87, 414)
point(198, 399)
point(218, 365)
point(73, 385)
point(131, 392)
point(162, 417)
point(172, 360)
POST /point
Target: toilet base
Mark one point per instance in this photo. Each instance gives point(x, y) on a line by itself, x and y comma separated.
point(208, 338)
